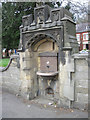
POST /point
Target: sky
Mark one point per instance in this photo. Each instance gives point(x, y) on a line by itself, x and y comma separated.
point(81, 1)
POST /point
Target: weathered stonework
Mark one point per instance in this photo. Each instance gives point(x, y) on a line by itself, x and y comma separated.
point(52, 31)
point(10, 78)
point(50, 65)
point(80, 78)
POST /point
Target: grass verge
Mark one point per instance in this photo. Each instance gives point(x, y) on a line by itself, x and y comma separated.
point(4, 62)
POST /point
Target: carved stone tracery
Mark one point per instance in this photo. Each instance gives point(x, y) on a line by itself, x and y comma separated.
point(30, 38)
point(55, 16)
point(40, 16)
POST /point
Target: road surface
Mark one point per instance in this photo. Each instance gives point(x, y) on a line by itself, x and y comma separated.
point(15, 107)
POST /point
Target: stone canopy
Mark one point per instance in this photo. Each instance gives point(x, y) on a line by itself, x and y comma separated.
point(54, 23)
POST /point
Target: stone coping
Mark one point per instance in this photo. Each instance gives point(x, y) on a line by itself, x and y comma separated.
point(2, 69)
point(82, 55)
point(48, 54)
point(47, 74)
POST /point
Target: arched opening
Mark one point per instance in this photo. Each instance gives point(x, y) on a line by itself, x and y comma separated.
point(44, 63)
point(45, 45)
point(47, 51)
point(49, 91)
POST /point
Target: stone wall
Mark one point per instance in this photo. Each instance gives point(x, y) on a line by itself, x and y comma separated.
point(11, 78)
point(81, 81)
point(73, 81)
point(0, 79)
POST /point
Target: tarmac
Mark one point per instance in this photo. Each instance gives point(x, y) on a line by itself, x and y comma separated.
point(14, 106)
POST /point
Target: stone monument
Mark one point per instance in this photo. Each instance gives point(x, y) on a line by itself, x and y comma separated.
point(47, 47)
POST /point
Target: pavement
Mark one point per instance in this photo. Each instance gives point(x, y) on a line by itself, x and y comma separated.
point(2, 67)
point(14, 106)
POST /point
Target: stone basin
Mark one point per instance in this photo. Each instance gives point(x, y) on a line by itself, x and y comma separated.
point(47, 74)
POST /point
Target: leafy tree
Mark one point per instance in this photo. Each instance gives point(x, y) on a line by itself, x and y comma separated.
point(12, 13)
point(11, 20)
point(68, 6)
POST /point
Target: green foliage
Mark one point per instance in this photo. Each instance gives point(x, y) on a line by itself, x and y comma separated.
point(68, 6)
point(50, 4)
point(12, 13)
point(59, 3)
point(4, 62)
point(11, 20)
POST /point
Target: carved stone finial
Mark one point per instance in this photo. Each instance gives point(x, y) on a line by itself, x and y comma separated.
point(38, 4)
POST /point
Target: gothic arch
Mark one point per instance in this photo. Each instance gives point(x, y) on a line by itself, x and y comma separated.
point(38, 37)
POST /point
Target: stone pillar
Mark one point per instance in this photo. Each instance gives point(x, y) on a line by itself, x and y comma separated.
point(38, 4)
point(70, 34)
point(66, 90)
point(28, 62)
point(24, 81)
